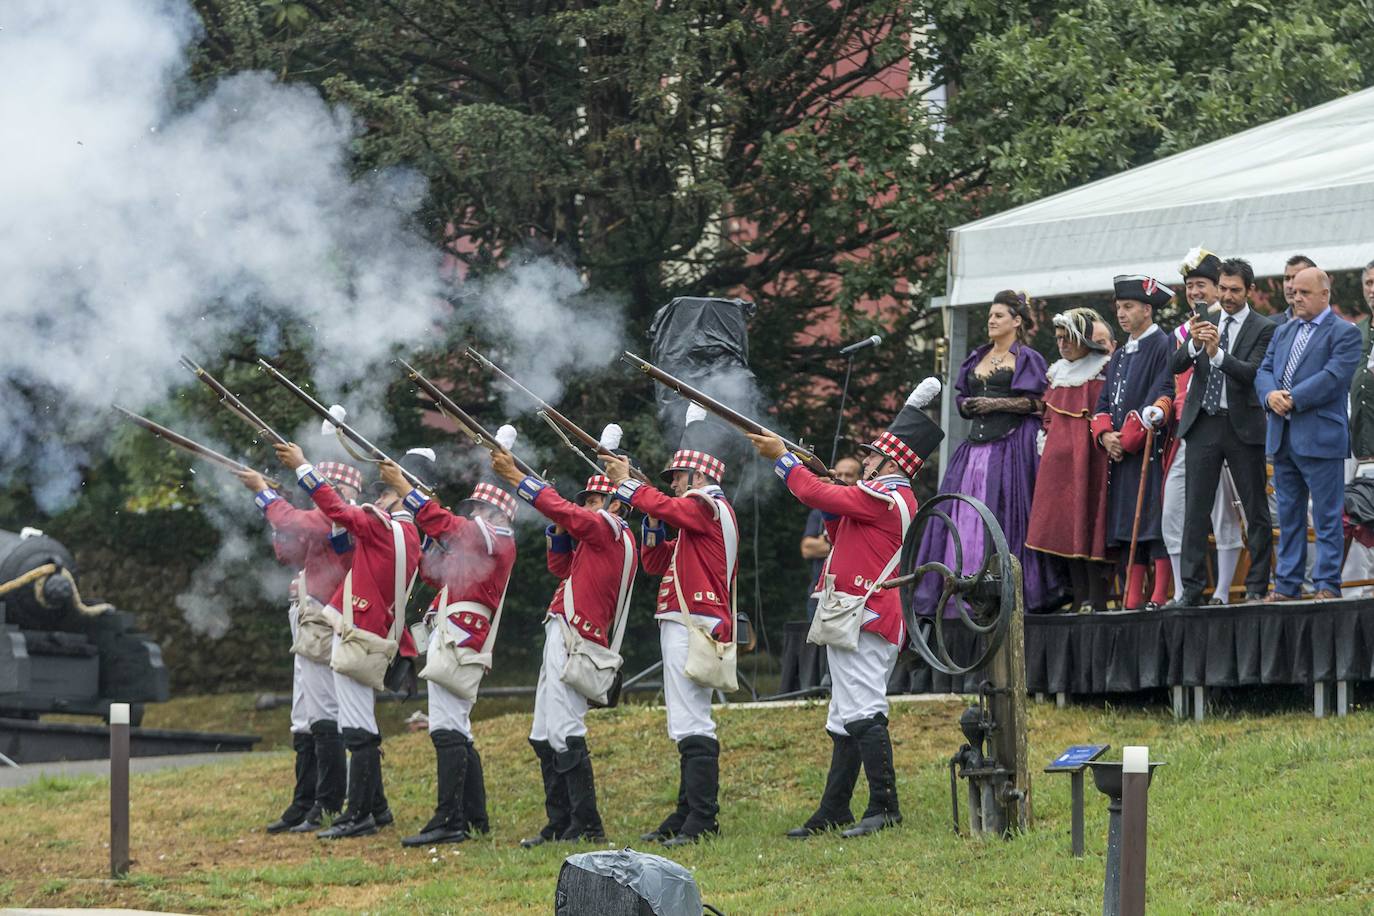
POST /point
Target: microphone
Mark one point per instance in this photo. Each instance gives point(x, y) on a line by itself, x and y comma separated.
point(862, 345)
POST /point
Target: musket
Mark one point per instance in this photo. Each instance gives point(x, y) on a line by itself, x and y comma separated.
point(554, 416)
point(728, 414)
point(373, 453)
point(188, 445)
point(231, 401)
point(469, 425)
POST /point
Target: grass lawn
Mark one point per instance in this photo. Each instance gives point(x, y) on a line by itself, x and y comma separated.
point(1252, 814)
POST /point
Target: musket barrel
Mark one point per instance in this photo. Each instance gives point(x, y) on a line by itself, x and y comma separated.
point(186, 444)
point(232, 402)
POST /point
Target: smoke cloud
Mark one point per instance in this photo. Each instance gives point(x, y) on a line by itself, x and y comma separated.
point(145, 216)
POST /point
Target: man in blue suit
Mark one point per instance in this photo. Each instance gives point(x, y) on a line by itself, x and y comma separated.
point(1303, 383)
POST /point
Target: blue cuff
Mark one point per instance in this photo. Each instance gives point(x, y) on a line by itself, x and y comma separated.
point(626, 491)
point(558, 543)
point(341, 542)
point(829, 516)
point(530, 488)
point(653, 535)
point(308, 478)
point(415, 500)
point(784, 465)
point(266, 498)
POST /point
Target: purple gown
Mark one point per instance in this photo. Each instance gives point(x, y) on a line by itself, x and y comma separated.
point(997, 466)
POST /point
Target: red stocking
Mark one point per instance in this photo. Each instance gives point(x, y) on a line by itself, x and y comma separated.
point(1163, 581)
point(1134, 599)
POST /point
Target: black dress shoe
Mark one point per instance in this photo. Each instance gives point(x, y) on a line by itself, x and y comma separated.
point(363, 826)
point(530, 842)
point(1254, 598)
point(687, 839)
point(655, 836)
point(1149, 606)
point(436, 836)
point(871, 825)
point(281, 825)
point(309, 825)
point(385, 819)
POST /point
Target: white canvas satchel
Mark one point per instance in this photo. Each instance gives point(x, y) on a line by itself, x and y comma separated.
point(314, 638)
point(591, 667)
point(459, 669)
point(839, 615)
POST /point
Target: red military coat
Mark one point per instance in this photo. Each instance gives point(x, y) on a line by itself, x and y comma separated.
point(706, 562)
point(374, 555)
point(866, 530)
point(595, 568)
point(472, 558)
point(305, 539)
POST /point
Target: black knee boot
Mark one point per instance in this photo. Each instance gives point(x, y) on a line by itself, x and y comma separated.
point(575, 766)
point(839, 789)
point(875, 748)
point(364, 772)
point(381, 808)
point(332, 775)
point(303, 797)
point(555, 797)
point(475, 794)
point(451, 767)
point(701, 773)
point(673, 822)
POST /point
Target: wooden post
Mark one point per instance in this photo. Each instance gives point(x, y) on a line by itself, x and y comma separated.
point(1007, 673)
point(1135, 793)
point(119, 789)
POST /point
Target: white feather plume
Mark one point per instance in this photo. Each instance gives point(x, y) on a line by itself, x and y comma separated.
point(423, 451)
point(340, 416)
point(695, 412)
point(505, 436)
point(611, 436)
point(924, 393)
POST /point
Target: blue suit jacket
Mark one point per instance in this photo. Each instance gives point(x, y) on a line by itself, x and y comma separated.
point(1318, 425)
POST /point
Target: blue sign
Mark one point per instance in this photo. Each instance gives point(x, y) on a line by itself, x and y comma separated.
point(1076, 757)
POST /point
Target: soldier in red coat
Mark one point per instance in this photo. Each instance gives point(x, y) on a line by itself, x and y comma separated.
point(700, 581)
point(867, 524)
point(469, 560)
point(371, 584)
point(304, 539)
point(591, 545)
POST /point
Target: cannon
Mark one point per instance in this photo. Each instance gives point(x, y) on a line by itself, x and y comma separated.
point(59, 654)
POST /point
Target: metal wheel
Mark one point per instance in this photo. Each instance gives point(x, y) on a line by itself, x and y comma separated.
point(984, 598)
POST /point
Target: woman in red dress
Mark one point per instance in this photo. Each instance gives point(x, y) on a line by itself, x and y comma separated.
point(1069, 510)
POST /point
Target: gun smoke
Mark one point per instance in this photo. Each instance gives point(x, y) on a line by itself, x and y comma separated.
point(146, 215)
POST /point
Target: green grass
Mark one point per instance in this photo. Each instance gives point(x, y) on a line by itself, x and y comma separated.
point(1252, 814)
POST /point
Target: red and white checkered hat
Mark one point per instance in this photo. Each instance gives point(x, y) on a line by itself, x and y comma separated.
point(495, 496)
point(340, 473)
point(597, 483)
point(913, 435)
point(690, 459)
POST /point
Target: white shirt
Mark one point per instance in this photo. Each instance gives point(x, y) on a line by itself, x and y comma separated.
point(1133, 343)
point(1236, 321)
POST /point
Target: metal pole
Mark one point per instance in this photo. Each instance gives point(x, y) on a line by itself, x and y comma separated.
point(1076, 826)
point(119, 789)
point(839, 421)
point(1135, 792)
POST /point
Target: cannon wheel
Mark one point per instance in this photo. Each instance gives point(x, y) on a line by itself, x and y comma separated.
point(984, 598)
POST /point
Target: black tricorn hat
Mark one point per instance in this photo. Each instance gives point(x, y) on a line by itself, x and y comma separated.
point(912, 435)
point(1141, 288)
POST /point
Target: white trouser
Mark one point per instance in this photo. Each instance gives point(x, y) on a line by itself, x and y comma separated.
point(858, 680)
point(559, 711)
point(1225, 524)
point(300, 720)
point(357, 702)
point(312, 686)
point(689, 704)
point(447, 710)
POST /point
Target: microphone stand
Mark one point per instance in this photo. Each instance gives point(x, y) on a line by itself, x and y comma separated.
point(839, 421)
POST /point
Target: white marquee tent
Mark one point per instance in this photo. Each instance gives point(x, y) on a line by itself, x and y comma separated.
point(1304, 183)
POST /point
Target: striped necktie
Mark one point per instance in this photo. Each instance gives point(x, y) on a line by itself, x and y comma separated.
point(1295, 356)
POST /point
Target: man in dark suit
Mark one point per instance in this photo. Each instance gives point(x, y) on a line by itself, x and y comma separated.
point(1304, 382)
point(1223, 424)
point(1291, 268)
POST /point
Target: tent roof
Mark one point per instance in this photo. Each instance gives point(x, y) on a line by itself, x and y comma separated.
point(1304, 183)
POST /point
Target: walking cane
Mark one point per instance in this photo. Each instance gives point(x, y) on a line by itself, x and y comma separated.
point(1140, 495)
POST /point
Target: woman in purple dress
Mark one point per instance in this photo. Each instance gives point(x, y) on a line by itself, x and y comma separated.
point(1000, 389)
